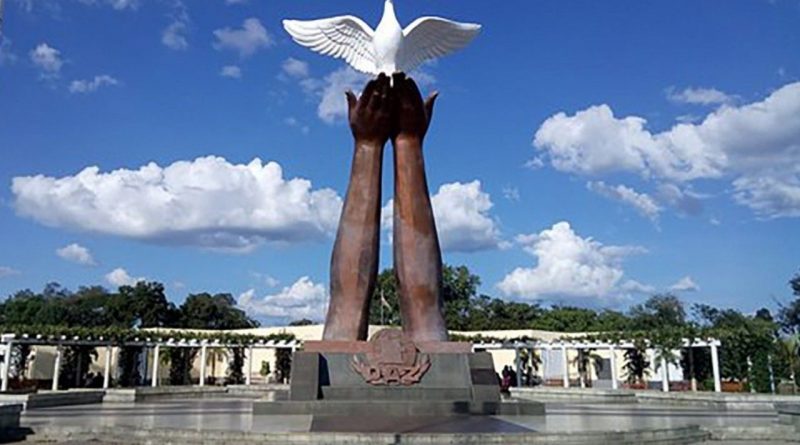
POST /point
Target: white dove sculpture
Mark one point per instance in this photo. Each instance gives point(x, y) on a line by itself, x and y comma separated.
point(389, 48)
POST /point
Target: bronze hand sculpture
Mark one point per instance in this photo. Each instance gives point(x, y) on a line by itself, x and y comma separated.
point(386, 110)
point(354, 263)
point(417, 257)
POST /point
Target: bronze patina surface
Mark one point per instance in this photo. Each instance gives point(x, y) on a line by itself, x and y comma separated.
point(388, 108)
point(393, 359)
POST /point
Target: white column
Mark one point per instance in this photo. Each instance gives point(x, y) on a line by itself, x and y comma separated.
point(566, 365)
point(664, 375)
point(771, 374)
point(545, 357)
point(107, 368)
point(203, 365)
point(6, 366)
point(154, 380)
point(715, 367)
point(613, 353)
point(248, 377)
point(750, 375)
point(56, 368)
point(518, 365)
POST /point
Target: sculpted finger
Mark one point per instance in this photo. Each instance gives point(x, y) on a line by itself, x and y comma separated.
point(385, 89)
point(369, 90)
point(413, 89)
point(376, 96)
point(352, 101)
point(429, 103)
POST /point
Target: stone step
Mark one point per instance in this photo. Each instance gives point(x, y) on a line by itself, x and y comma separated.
point(129, 435)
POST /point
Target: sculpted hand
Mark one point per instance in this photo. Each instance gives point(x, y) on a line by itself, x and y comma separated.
point(371, 115)
point(412, 115)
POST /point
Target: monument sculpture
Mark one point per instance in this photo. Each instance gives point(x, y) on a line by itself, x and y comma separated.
point(387, 109)
point(389, 48)
point(416, 371)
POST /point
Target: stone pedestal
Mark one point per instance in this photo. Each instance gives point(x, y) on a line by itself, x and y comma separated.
point(392, 378)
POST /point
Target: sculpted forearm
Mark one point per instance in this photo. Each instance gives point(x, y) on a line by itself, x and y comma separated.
point(417, 258)
point(354, 263)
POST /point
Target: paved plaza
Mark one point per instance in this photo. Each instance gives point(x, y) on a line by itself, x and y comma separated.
point(228, 415)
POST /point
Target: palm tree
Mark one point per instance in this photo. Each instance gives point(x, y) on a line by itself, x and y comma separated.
point(529, 362)
point(791, 348)
point(214, 354)
point(583, 360)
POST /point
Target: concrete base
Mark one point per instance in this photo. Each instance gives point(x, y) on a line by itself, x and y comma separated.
point(711, 400)
point(324, 383)
point(44, 399)
point(9, 415)
point(593, 395)
point(136, 435)
point(789, 414)
point(397, 408)
point(144, 393)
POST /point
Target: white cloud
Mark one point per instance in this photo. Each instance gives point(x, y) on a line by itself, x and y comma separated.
point(7, 272)
point(569, 267)
point(123, 4)
point(174, 35)
point(295, 68)
point(330, 91)
point(635, 287)
point(685, 284)
point(207, 202)
point(266, 279)
point(769, 196)
point(641, 202)
point(535, 163)
point(77, 254)
point(119, 5)
point(757, 140)
point(232, 71)
point(251, 37)
point(90, 86)
point(120, 277)
point(685, 200)
point(463, 222)
point(699, 96)
point(7, 57)
point(294, 123)
point(303, 299)
point(48, 60)
point(511, 193)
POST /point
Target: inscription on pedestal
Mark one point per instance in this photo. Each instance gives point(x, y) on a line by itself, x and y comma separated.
point(392, 359)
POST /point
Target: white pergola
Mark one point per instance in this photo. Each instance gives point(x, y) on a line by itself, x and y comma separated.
point(564, 346)
point(7, 342)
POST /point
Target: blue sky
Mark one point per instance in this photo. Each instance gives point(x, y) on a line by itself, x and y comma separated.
point(582, 152)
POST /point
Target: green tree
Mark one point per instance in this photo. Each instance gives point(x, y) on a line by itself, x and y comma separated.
point(236, 367)
point(636, 364)
point(658, 312)
point(459, 288)
point(567, 319)
point(283, 365)
point(384, 308)
point(219, 311)
point(789, 315)
point(145, 305)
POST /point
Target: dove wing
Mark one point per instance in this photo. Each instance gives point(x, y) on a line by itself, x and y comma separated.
point(432, 37)
point(345, 37)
